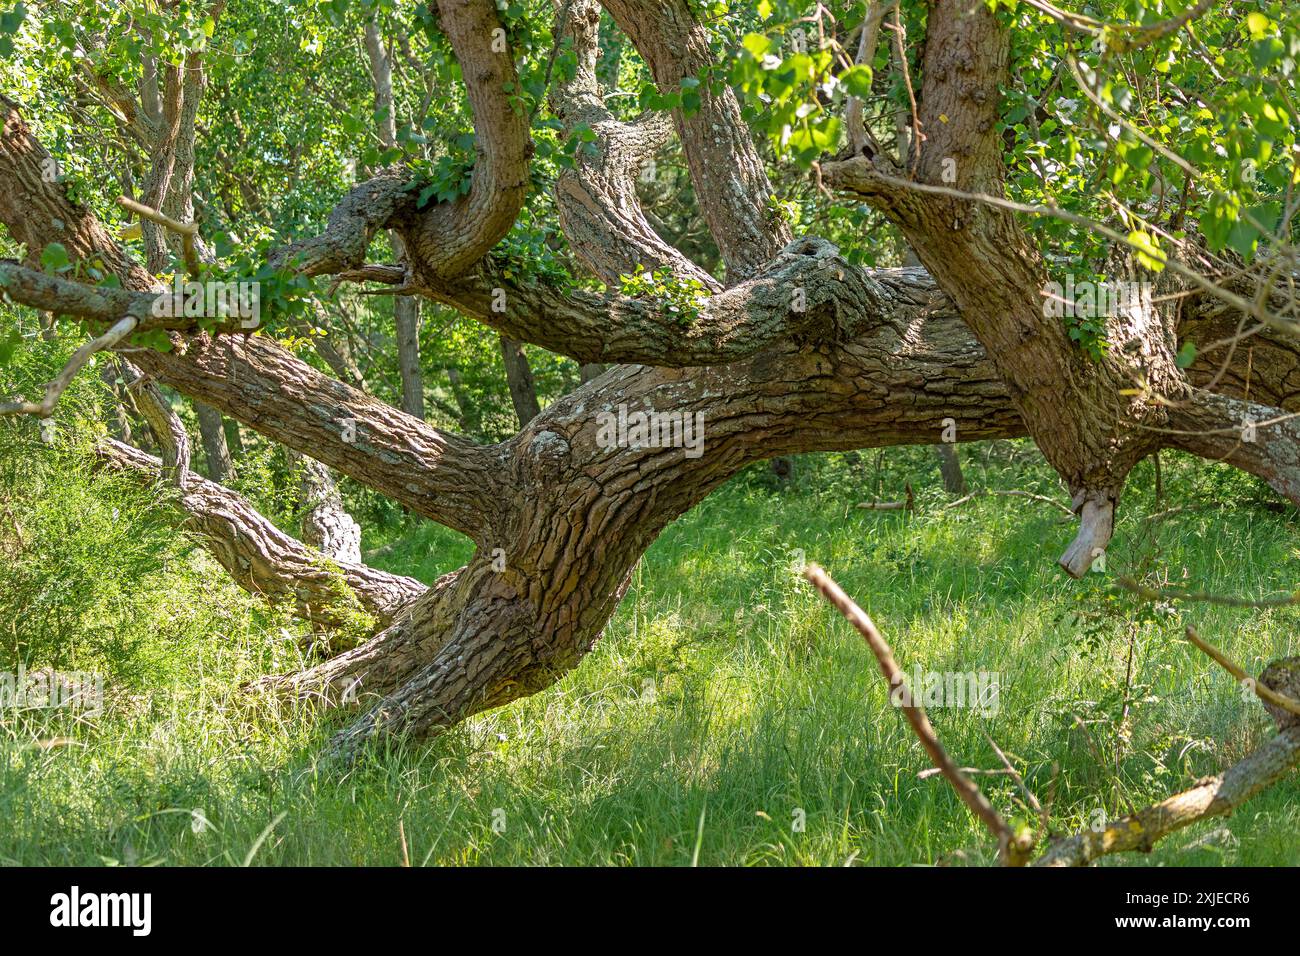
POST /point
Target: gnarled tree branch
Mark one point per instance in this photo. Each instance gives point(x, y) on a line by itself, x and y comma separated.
point(600, 212)
point(730, 181)
point(266, 561)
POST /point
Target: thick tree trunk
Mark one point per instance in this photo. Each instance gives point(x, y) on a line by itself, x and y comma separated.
point(581, 512)
point(1085, 412)
point(561, 513)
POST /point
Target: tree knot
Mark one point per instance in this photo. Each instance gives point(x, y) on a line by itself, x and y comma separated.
point(813, 246)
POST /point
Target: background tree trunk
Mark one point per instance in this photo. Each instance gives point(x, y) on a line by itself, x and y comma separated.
point(471, 423)
point(406, 315)
point(519, 377)
point(326, 524)
point(212, 435)
point(954, 482)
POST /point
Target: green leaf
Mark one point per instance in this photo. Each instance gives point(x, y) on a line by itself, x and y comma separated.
point(757, 45)
point(9, 344)
point(54, 258)
point(1148, 250)
point(1243, 237)
point(857, 80)
point(13, 19)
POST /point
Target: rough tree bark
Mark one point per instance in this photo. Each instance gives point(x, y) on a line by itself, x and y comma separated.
point(326, 524)
point(212, 435)
point(266, 561)
point(1086, 415)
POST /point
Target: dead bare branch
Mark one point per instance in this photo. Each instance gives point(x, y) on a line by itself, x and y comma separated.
point(1262, 691)
point(120, 330)
point(1013, 848)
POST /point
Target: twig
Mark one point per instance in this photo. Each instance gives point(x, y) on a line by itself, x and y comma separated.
point(1064, 509)
point(120, 330)
point(1226, 600)
point(900, 48)
point(1140, 35)
point(1020, 781)
point(1262, 691)
point(1055, 212)
point(1013, 850)
point(188, 231)
point(929, 772)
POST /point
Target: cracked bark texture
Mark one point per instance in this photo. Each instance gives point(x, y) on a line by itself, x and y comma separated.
point(730, 181)
point(1088, 415)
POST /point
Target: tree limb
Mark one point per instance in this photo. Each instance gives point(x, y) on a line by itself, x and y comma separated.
point(600, 212)
point(264, 560)
point(730, 181)
point(1214, 797)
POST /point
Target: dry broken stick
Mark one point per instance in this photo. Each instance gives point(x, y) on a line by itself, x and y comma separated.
point(907, 504)
point(1014, 848)
point(188, 231)
point(1059, 506)
point(1283, 704)
point(1211, 797)
point(1030, 799)
point(120, 330)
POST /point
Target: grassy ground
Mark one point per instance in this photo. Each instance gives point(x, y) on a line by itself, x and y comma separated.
point(728, 716)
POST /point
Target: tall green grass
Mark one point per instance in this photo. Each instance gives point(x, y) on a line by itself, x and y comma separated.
point(728, 716)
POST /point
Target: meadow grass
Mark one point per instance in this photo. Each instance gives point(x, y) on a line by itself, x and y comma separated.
point(728, 716)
